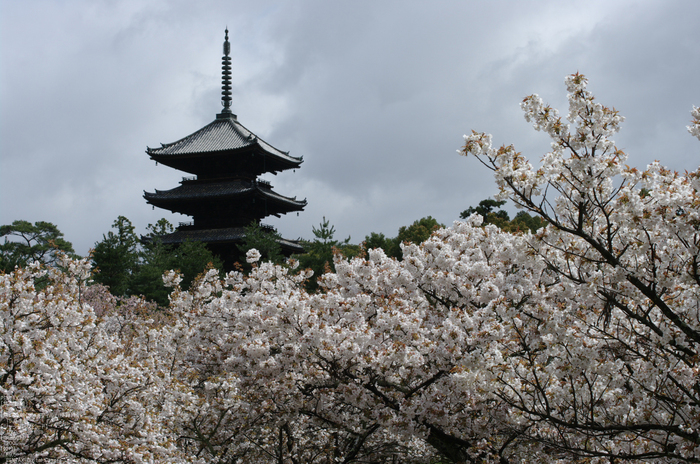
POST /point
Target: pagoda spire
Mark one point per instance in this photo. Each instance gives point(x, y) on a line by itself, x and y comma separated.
point(226, 77)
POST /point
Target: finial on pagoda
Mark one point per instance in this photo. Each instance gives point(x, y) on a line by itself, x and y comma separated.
point(226, 77)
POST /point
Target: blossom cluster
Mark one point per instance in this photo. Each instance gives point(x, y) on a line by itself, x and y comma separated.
point(579, 343)
point(74, 386)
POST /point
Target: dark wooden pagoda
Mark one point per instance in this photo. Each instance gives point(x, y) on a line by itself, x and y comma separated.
point(224, 195)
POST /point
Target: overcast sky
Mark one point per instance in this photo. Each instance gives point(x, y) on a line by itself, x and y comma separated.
point(375, 95)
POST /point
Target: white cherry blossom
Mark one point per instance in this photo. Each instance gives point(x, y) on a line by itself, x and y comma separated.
point(576, 344)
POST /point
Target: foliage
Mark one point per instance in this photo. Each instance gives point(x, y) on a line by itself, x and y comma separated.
point(418, 232)
point(40, 242)
point(379, 240)
point(130, 266)
point(578, 344)
point(485, 210)
point(116, 257)
point(265, 240)
point(188, 258)
point(154, 259)
point(320, 251)
point(522, 222)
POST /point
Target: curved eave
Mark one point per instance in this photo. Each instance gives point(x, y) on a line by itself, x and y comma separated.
point(189, 204)
point(194, 163)
point(275, 207)
point(179, 194)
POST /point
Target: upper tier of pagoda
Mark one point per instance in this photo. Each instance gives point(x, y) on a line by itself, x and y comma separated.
point(224, 145)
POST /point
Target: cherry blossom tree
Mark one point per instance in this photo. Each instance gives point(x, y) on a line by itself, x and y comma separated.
point(74, 387)
point(604, 361)
point(575, 344)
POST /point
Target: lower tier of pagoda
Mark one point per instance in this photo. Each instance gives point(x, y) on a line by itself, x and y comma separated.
point(222, 237)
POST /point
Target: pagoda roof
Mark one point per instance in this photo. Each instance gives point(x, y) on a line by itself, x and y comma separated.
point(196, 191)
point(224, 134)
point(224, 235)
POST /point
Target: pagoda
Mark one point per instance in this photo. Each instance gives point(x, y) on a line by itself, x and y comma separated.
point(223, 194)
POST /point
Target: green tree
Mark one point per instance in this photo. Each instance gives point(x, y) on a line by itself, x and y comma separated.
point(319, 252)
point(116, 257)
point(485, 209)
point(419, 231)
point(522, 221)
point(157, 231)
point(155, 258)
point(31, 242)
point(264, 239)
point(191, 259)
point(379, 240)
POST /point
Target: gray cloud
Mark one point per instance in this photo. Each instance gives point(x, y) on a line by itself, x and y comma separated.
point(374, 95)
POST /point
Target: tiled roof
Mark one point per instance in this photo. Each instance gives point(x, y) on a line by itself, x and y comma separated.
point(214, 190)
point(225, 133)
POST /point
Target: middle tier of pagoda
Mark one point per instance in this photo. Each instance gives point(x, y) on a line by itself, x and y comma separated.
point(224, 202)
